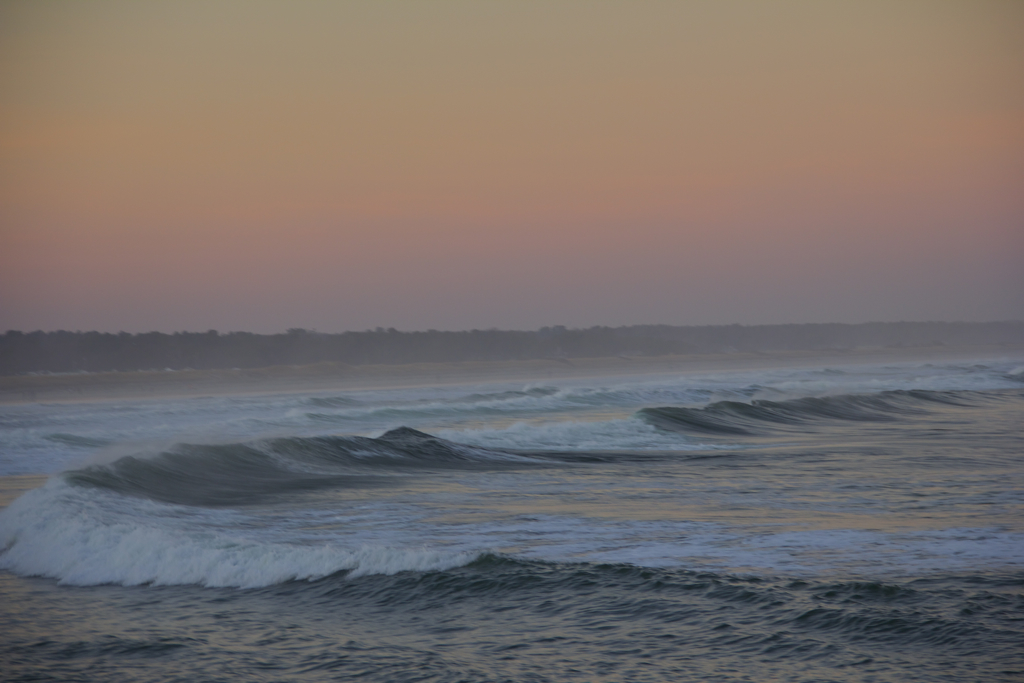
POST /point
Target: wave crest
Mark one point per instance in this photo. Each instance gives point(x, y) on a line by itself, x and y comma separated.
point(240, 473)
point(55, 533)
point(763, 417)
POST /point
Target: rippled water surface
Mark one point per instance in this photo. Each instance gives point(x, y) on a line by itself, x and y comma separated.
point(846, 524)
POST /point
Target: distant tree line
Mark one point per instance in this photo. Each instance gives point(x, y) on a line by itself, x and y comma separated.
point(62, 351)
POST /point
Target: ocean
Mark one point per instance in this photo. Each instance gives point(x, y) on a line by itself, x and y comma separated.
point(847, 523)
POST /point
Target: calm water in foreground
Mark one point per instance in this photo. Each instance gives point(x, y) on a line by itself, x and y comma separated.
point(863, 523)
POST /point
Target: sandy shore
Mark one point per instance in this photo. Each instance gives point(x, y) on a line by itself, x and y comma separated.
point(328, 376)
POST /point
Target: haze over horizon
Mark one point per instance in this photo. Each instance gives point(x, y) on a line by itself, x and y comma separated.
point(452, 165)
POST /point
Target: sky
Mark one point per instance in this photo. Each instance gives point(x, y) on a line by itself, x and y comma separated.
point(255, 166)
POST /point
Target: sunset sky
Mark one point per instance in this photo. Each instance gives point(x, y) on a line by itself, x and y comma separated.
point(247, 165)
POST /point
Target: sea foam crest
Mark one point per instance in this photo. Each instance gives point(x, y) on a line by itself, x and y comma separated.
point(576, 435)
point(763, 417)
point(530, 400)
point(60, 533)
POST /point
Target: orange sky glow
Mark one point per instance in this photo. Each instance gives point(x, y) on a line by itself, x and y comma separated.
point(250, 165)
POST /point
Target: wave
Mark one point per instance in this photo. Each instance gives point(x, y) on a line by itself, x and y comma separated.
point(763, 417)
point(332, 401)
point(482, 397)
point(534, 400)
point(248, 472)
point(241, 473)
point(575, 436)
point(772, 385)
point(87, 536)
point(61, 533)
point(76, 441)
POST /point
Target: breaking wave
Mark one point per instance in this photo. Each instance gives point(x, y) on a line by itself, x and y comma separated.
point(178, 516)
point(530, 401)
point(241, 473)
point(763, 417)
point(76, 536)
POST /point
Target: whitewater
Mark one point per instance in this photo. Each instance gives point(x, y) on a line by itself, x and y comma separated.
point(856, 522)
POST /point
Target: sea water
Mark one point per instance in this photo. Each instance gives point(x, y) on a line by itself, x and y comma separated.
point(855, 523)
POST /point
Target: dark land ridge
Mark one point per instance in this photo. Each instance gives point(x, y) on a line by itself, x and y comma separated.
point(62, 352)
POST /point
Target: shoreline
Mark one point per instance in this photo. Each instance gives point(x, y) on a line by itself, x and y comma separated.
point(109, 386)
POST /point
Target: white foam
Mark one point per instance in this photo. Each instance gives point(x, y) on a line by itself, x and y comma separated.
point(619, 434)
point(26, 446)
point(67, 534)
point(480, 406)
point(88, 536)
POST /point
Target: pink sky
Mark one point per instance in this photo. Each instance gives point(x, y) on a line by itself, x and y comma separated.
point(343, 165)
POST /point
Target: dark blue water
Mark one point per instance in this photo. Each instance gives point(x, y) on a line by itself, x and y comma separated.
point(499, 619)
